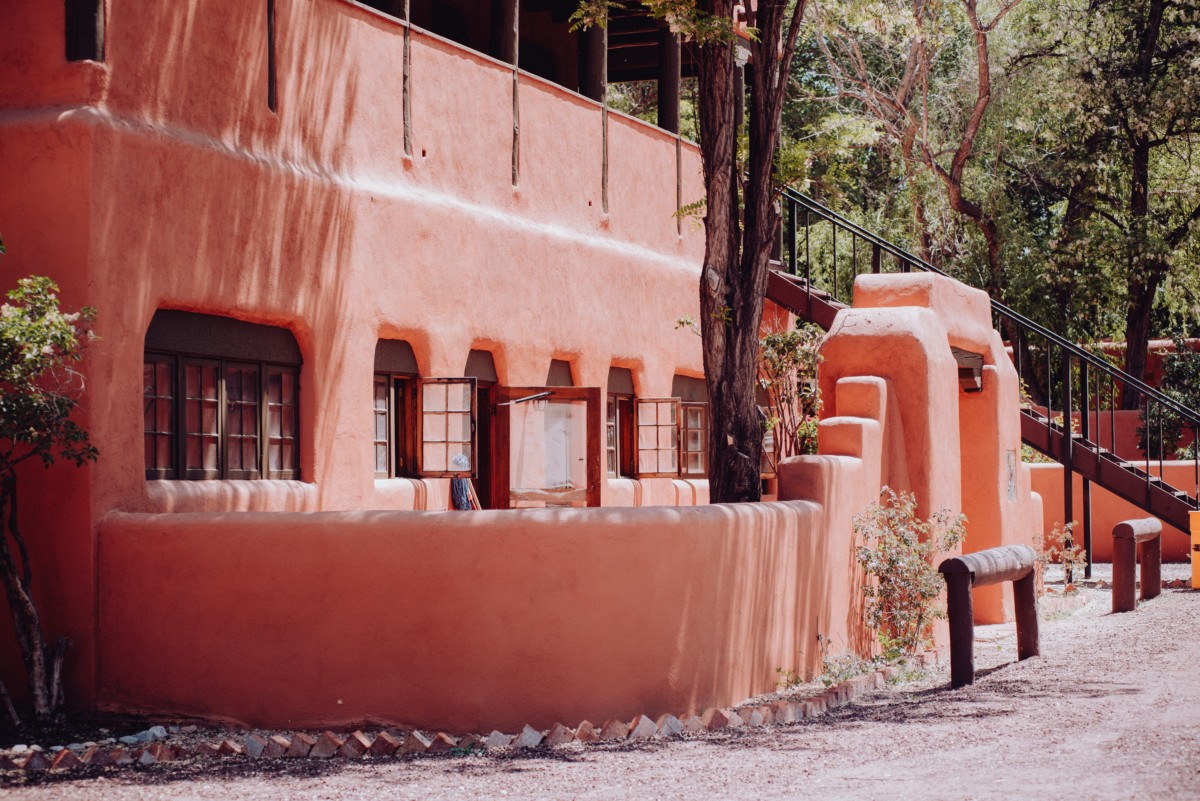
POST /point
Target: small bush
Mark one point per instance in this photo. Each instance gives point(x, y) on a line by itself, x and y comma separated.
point(897, 554)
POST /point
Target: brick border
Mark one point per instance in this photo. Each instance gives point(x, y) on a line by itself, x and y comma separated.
point(149, 747)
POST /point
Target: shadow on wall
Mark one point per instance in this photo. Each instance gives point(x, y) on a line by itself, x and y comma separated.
point(518, 616)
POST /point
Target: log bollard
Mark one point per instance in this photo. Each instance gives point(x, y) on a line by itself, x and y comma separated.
point(1010, 563)
point(1141, 539)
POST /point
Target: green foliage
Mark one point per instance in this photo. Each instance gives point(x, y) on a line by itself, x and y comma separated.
point(1160, 429)
point(903, 585)
point(1072, 557)
point(787, 376)
point(682, 16)
point(38, 344)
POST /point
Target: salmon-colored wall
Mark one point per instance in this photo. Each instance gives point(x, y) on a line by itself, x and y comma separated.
point(1108, 510)
point(160, 179)
point(489, 619)
point(961, 451)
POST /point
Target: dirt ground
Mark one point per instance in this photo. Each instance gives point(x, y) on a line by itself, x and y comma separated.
point(1111, 710)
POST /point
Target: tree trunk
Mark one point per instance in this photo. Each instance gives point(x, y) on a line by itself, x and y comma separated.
point(734, 446)
point(26, 624)
point(738, 247)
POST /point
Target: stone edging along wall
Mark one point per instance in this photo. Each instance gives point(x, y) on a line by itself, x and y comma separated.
point(152, 747)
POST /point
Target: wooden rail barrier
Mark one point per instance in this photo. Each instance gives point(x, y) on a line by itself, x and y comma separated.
point(1010, 563)
point(1141, 539)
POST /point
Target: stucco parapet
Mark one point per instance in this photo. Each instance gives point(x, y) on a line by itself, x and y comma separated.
point(649, 520)
point(274, 496)
point(906, 322)
point(964, 311)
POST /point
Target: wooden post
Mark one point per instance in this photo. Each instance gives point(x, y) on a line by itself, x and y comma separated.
point(1140, 538)
point(1150, 559)
point(1009, 563)
point(1025, 601)
point(962, 629)
point(1123, 599)
point(668, 81)
point(504, 30)
point(593, 81)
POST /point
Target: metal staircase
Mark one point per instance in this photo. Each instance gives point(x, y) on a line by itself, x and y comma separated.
point(821, 254)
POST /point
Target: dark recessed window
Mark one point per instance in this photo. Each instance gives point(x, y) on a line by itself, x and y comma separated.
point(421, 426)
point(84, 30)
point(220, 399)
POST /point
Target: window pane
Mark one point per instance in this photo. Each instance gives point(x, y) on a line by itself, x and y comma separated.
point(667, 437)
point(646, 414)
point(647, 437)
point(434, 456)
point(666, 414)
point(381, 464)
point(459, 455)
point(695, 417)
point(434, 428)
point(647, 461)
point(460, 428)
point(694, 442)
point(459, 399)
point(434, 398)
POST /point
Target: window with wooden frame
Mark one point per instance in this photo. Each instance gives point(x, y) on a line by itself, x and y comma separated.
point(220, 399)
point(693, 439)
point(618, 436)
point(446, 414)
point(657, 421)
point(693, 425)
point(214, 418)
point(394, 412)
point(618, 424)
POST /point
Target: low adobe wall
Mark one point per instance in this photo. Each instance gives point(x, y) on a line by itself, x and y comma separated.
point(1108, 510)
point(463, 621)
point(467, 621)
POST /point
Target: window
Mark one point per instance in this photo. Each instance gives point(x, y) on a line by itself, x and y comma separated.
point(693, 440)
point(394, 408)
point(693, 425)
point(657, 437)
point(618, 426)
point(420, 426)
point(220, 399)
point(447, 415)
point(84, 30)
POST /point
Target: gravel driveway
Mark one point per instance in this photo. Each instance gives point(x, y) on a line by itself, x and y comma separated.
point(1111, 710)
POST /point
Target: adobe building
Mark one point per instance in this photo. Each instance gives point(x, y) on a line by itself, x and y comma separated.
point(347, 251)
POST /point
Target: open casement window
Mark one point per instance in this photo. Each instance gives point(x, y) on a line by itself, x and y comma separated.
point(446, 420)
point(394, 410)
point(657, 422)
point(618, 436)
point(546, 447)
point(693, 440)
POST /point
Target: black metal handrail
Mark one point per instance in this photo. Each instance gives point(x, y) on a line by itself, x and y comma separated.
point(1076, 367)
point(910, 260)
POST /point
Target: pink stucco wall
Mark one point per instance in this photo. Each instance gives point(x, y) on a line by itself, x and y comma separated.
point(1108, 510)
point(161, 180)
